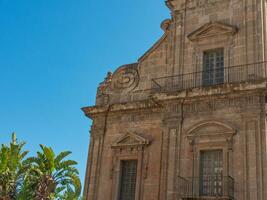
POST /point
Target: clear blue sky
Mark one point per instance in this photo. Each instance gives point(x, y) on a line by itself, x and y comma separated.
point(53, 54)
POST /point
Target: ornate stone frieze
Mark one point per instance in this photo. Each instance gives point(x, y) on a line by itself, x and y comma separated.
point(191, 4)
point(200, 3)
point(137, 117)
point(236, 104)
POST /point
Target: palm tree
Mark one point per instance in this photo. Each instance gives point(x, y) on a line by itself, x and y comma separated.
point(70, 194)
point(50, 175)
point(12, 169)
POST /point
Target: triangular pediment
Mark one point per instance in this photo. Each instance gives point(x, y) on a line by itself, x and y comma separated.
point(130, 139)
point(212, 29)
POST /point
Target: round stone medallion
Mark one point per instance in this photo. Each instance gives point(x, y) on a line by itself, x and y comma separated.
point(125, 78)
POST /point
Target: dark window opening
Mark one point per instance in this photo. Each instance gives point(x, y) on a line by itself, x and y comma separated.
point(213, 67)
point(128, 179)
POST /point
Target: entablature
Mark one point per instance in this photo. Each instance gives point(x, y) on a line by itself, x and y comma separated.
point(148, 104)
point(212, 91)
point(174, 5)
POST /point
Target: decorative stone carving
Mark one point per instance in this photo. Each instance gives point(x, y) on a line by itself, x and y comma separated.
point(125, 78)
point(212, 29)
point(191, 4)
point(165, 25)
point(211, 131)
point(170, 4)
point(210, 135)
point(130, 139)
point(129, 146)
point(236, 104)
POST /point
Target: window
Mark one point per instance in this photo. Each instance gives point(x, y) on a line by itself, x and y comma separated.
point(128, 179)
point(213, 67)
point(211, 173)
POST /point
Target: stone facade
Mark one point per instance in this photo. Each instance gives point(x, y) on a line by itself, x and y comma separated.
point(160, 112)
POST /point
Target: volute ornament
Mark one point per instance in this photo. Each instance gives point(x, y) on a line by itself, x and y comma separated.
point(165, 25)
point(125, 79)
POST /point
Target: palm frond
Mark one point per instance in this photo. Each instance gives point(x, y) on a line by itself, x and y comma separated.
point(61, 156)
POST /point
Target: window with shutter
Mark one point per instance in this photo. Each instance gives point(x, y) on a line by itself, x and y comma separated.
point(128, 179)
point(213, 67)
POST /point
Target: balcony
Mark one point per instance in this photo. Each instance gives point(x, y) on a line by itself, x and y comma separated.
point(227, 75)
point(206, 187)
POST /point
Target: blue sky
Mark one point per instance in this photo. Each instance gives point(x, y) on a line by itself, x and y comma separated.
point(53, 54)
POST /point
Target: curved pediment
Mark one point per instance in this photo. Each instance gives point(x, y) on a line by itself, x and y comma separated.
point(130, 139)
point(212, 29)
point(211, 128)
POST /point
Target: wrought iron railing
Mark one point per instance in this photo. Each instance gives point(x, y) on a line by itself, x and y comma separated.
point(233, 74)
point(206, 186)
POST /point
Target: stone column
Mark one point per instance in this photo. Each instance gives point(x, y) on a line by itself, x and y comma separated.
point(88, 169)
point(264, 151)
point(253, 166)
point(93, 164)
point(164, 164)
point(255, 26)
point(171, 157)
point(171, 164)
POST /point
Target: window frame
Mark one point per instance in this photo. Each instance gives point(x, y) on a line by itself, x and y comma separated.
point(120, 179)
point(202, 191)
point(134, 149)
point(211, 61)
point(210, 147)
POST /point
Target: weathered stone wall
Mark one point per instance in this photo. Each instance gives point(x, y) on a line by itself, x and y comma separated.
point(176, 53)
point(170, 153)
point(166, 131)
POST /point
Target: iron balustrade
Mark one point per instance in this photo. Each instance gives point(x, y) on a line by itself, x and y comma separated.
point(206, 186)
point(226, 75)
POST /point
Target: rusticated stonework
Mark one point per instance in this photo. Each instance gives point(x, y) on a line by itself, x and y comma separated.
point(200, 89)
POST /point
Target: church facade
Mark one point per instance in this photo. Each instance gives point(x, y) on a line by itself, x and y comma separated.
point(188, 119)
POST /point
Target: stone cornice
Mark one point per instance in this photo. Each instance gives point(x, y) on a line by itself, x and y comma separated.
point(92, 111)
point(186, 96)
point(197, 93)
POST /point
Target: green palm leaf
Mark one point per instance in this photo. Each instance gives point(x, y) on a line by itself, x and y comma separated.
point(61, 156)
point(12, 171)
point(52, 175)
